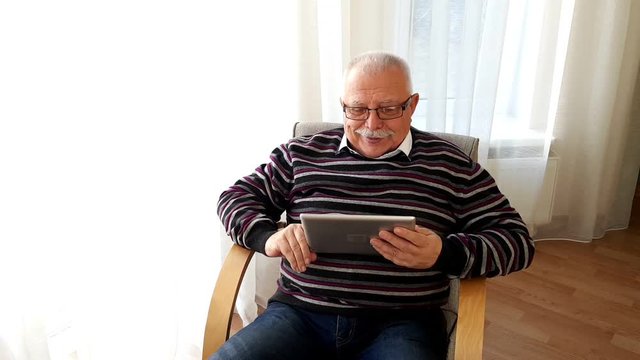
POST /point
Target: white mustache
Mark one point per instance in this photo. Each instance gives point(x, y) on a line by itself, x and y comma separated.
point(377, 134)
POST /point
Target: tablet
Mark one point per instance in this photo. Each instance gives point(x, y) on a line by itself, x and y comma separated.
point(348, 234)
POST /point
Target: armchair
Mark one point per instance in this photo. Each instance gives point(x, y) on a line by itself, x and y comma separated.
point(467, 297)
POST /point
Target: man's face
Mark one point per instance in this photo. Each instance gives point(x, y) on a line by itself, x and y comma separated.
point(388, 88)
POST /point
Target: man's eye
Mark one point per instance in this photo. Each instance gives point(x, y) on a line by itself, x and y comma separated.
point(357, 110)
point(389, 109)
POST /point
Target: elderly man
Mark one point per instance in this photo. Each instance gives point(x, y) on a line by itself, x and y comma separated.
point(370, 307)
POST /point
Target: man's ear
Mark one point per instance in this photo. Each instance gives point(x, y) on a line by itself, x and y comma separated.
point(414, 102)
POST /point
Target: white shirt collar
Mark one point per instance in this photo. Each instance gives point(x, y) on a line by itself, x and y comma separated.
point(404, 147)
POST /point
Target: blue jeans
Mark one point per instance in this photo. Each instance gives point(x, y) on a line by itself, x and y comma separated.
point(286, 332)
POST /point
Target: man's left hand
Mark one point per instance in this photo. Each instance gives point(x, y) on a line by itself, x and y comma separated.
point(416, 249)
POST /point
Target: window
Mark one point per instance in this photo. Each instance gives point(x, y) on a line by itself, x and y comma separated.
point(488, 68)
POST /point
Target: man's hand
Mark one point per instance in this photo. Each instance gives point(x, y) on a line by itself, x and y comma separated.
point(417, 249)
point(291, 243)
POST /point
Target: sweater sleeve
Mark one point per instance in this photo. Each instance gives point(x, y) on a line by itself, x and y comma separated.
point(491, 239)
point(250, 209)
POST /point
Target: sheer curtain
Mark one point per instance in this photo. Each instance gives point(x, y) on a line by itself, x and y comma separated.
point(120, 124)
point(548, 87)
point(597, 122)
point(492, 69)
point(323, 46)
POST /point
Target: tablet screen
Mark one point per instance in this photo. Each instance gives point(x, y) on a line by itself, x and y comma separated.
point(348, 234)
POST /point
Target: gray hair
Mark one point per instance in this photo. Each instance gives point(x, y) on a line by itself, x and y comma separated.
point(375, 62)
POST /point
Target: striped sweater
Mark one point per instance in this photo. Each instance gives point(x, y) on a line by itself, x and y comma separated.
point(437, 184)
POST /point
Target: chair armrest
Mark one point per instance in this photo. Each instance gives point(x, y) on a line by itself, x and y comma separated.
point(223, 300)
point(470, 324)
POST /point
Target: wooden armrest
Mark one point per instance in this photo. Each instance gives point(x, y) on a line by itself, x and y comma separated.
point(223, 300)
point(470, 324)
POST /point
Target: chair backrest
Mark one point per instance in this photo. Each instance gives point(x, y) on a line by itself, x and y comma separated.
point(469, 145)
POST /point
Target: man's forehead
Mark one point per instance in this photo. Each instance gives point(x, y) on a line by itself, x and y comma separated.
point(364, 100)
point(380, 94)
point(380, 87)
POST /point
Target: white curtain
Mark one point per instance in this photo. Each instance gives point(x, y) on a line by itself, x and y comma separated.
point(322, 49)
point(598, 122)
point(548, 88)
point(492, 69)
point(120, 124)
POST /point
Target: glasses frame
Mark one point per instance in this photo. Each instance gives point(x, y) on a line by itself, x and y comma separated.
point(403, 106)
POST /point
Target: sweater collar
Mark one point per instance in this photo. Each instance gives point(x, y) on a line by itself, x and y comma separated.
point(404, 147)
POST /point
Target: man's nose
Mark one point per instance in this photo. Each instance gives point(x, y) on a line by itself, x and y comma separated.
point(373, 121)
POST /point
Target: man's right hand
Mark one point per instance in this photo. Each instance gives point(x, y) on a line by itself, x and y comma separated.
point(291, 243)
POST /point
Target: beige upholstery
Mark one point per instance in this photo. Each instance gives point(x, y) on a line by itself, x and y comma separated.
point(467, 298)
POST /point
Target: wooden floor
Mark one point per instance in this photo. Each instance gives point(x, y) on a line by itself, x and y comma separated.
point(576, 301)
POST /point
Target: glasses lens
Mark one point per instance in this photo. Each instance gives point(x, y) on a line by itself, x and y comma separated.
point(355, 113)
point(389, 112)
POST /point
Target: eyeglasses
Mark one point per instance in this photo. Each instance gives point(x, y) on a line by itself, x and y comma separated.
point(384, 112)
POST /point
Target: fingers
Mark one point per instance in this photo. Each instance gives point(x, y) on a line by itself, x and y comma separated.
point(414, 236)
point(291, 244)
point(388, 251)
point(417, 248)
point(402, 239)
point(297, 251)
point(307, 255)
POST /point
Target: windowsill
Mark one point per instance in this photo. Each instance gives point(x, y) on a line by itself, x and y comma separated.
point(509, 141)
